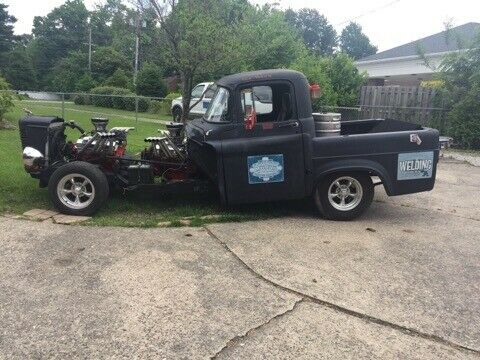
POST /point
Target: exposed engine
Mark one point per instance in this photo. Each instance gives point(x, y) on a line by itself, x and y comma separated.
point(164, 159)
point(165, 156)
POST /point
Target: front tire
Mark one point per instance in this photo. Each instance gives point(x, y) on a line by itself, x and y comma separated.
point(344, 196)
point(78, 188)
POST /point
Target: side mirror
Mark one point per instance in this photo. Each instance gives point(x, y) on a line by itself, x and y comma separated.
point(251, 120)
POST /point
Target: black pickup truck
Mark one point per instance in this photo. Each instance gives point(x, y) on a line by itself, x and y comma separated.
point(257, 142)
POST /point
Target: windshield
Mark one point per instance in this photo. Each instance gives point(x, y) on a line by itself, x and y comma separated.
point(217, 111)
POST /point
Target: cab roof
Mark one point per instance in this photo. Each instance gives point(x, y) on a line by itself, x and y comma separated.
point(231, 81)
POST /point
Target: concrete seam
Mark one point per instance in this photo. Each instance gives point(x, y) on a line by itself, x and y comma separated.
point(235, 340)
point(368, 318)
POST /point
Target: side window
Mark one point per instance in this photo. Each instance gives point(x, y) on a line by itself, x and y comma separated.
point(263, 95)
point(271, 103)
point(258, 98)
point(197, 91)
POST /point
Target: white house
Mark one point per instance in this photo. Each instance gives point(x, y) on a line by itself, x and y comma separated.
point(403, 64)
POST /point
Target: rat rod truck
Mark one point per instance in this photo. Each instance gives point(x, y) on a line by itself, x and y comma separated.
point(249, 152)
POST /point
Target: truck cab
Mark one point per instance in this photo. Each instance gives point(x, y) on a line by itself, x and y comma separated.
point(256, 154)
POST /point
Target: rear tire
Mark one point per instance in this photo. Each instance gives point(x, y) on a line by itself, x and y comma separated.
point(344, 196)
point(78, 188)
point(177, 114)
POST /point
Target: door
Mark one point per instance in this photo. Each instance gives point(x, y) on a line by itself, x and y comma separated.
point(264, 158)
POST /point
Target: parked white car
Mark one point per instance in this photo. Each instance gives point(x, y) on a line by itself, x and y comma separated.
point(263, 101)
point(199, 109)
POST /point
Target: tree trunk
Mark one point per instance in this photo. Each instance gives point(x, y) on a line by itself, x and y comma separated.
point(187, 85)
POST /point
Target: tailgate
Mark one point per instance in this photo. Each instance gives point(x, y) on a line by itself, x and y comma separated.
point(416, 163)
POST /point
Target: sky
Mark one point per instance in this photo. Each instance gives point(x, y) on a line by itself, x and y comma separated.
point(388, 23)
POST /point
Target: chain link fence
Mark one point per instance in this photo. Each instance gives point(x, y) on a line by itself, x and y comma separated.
point(134, 109)
point(117, 104)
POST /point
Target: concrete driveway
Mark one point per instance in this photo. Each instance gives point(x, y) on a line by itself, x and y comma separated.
point(402, 282)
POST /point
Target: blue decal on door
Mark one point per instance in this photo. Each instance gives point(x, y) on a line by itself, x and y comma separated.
point(415, 165)
point(264, 169)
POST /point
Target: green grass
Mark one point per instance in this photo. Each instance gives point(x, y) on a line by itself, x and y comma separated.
point(19, 192)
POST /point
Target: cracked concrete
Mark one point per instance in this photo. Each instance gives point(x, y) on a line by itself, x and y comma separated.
point(403, 265)
point(316, 332)
point(112, 292)
point(402, 282)
point(240, 338)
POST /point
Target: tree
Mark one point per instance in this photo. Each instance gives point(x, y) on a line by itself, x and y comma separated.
point(266, 41)
point(355, 43)
point(106, 60)
point(62, 31)
point(318, 35)
point(18, 69)
point(67, 71)
point(7, 38)
point(199, 35)
point(150, 81)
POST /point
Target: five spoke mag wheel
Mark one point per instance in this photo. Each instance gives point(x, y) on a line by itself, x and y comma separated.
point(75, 191)
point(344, 196)
point(78, 188)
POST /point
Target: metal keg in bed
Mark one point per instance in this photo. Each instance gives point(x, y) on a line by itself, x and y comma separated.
point(327, 124)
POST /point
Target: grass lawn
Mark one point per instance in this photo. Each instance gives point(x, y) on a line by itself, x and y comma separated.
point(19, 192)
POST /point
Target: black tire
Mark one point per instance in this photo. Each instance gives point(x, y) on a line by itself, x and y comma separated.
point(96, 186)
point(355, 202)
point(177, 114)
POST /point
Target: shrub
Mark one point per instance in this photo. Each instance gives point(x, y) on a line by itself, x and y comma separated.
point(121, 102)
point(119, 98)
point(143, 104)
point(310, 66)
point(150, 81)
point(460, 92)
point(156, 107)
point(163, 106)
point(6, 98)
point(464, 120)
point(85, 83)
point(103, 101)
point(345, 79)
point(82, 99)
point(119, 79)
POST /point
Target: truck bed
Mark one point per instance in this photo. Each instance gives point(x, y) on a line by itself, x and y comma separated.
point(371, 126)
point(380, 146)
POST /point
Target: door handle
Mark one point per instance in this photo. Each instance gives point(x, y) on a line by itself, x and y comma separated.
point(290, 124)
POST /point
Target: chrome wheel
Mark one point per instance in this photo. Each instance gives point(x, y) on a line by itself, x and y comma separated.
point(75, 191)
point(345, 193)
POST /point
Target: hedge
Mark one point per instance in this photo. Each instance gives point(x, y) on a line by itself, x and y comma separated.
point(163, 106)
point(122, 99)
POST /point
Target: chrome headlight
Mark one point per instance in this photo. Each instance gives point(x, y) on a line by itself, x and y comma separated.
point(32, 159)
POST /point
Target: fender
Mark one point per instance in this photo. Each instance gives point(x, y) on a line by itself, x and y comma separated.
point(356, 165)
